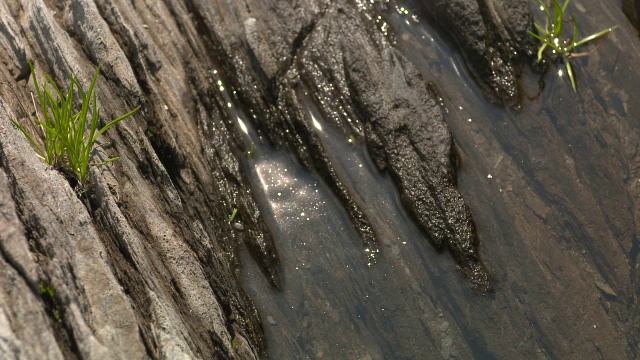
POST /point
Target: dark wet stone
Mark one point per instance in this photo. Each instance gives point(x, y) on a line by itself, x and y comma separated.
point(492, 37)
point(402, 118)
point(631, 8)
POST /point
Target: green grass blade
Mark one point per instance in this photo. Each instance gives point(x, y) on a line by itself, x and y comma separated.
point(38, 92)
point(43, 107)
point(546, 11)
point(53, 106)
point(93, 82)
point(233, 215)
point(79, 86)
point(595, 36)
point(541, 51)
point(80, 140)
point(575, 35)
point(35, 82)
point(108, 161)
point(558, 19)
point(59, 123)
point(541, 30)
point(53, 84)
point(81, 153)
point(113, 122)
point(50, 127)
point(33, 142)
point(86, 105)
point(570, 73)
point(86, 100)
point(68, 106)
point(51, 136)
point(546, 42)
point(95, 117)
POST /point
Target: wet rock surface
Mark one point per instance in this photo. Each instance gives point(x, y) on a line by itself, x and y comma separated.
point(368, 91)
point(631, 8)
point(492, 37)
point(146, 265)
point(554, 191)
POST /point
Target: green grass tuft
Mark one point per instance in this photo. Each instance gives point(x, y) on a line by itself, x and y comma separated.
point(552, 36)
point(68, 136)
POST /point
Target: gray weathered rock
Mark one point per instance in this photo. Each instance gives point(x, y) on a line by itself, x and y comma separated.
point(23, 316)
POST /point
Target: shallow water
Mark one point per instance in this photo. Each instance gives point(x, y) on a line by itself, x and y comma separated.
point(553, 189)
point(338, 301)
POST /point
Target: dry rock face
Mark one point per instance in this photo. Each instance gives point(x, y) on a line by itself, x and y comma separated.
point(143, 266)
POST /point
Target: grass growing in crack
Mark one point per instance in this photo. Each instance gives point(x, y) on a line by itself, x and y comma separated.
point(48, 294)
point(68, 137)
point(47, 290)
point(233, 215)
point(552, 36)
